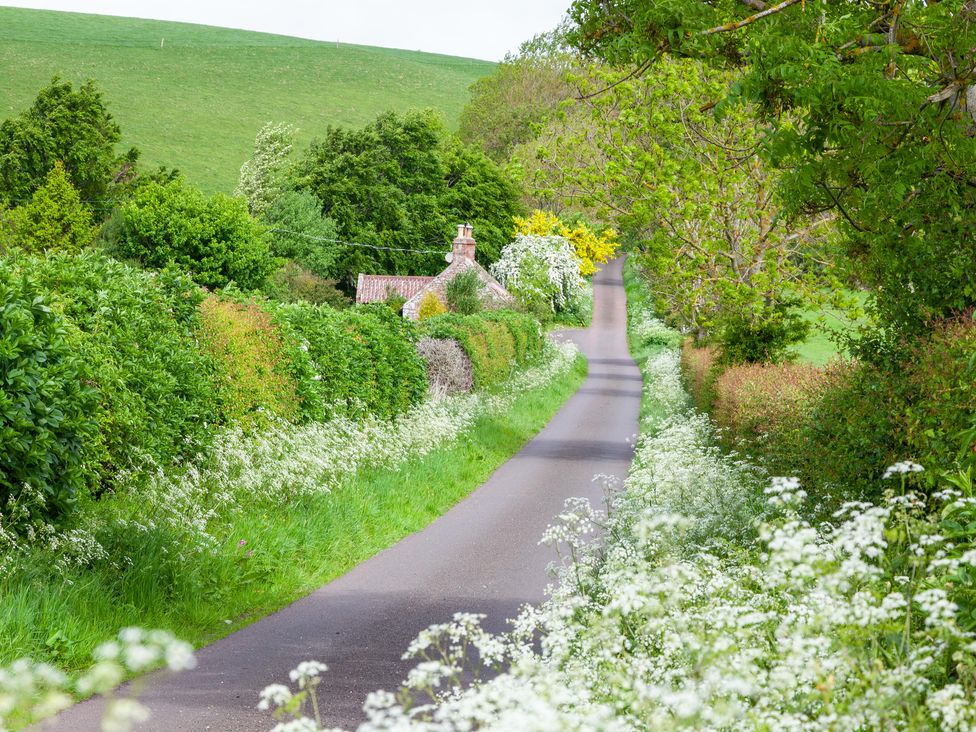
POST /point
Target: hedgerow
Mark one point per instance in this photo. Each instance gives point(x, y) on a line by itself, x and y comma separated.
point(45, 404)
point(353, 362)
point(494, 341)
point(157, 392)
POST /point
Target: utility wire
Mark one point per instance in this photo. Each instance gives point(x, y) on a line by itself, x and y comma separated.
point(358, 244)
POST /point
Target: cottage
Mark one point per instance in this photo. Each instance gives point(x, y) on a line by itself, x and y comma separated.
point(377, 288)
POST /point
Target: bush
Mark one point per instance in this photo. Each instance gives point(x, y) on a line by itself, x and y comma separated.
point(213, 238)
point(542, 272)
point(493, 341)
point(353, 362)
point(430, 305)
point(464, 293)
point(157, 393)
point(255, 383)
point(54, 219)
point(591, 248)
point(763, 335)
point(46, 405)
point(448, 366)
point(293, 283)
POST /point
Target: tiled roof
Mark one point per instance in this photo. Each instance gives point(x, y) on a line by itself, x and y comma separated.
point(376, 288)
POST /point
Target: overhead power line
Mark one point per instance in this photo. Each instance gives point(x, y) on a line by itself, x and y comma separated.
point(310, 237)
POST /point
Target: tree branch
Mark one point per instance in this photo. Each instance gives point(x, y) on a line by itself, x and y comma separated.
point(751, 19)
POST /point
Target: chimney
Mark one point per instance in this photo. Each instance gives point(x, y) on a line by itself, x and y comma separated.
point(464, 243)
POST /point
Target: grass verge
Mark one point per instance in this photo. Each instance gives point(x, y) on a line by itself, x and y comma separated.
point(269, 556)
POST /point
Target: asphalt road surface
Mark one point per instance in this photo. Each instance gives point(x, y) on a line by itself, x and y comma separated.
point(481, 556)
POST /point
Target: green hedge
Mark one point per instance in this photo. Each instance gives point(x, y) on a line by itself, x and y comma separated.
point(494, 341)
point(45, 405)
point(353, 362)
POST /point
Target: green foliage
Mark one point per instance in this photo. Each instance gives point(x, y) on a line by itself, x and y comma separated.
point(870, 118)
point(353, 362)
point(45, 405)
point(65, 125)
point(464, 293)
point(766, 339)
point(54, 219)
point(261, 176)
point(400, 183)
point(256, 383)
point(297, 230)
point(494, 341)
point(294, 283)
point(522, 92)
point(136, 338)
point(213, 238)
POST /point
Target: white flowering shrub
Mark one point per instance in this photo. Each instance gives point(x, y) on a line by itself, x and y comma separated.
point(542, 272)
point(31, 691)
point(711, 603)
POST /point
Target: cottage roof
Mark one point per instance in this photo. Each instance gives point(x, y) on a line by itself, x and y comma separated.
point(377, 288)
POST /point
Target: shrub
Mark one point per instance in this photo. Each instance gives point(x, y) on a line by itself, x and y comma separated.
point(157, 393)
point(213, 238)
point(464, 293)
point(492, 341)
point(293, 283)
point(353, 362)
point(46, 405)
point(762, 335)
point(591, 248)
point(54, 219)
point(448, 366)
point(255, 384)
point(430, 305)
point(261, 176)
point(542, 272)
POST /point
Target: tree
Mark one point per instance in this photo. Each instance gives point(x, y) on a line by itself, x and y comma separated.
point(398, 186)
point(55, 219)
point(297, 230)
point(871, 110)
point(213, 238)
point(261, 176)
point(523, 91)
point(65, 125)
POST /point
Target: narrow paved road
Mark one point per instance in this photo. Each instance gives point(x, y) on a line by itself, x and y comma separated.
point(481, 556)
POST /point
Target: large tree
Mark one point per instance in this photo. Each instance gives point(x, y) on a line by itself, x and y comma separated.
point(67, 125)
point(870, 107)
point(398, 186)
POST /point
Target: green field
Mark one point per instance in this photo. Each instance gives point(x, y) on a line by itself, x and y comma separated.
point(197, 102)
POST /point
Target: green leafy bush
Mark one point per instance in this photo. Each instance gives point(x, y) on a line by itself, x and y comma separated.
point(213, 238)
point(493, 341)
point(353, 362)
point(464, 293)
point(293, 283)
point(46, 406)
point(255, 383)
point(54, 219)
point(137, 340)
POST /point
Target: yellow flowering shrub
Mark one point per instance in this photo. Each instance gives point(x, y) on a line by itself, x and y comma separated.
point(430, 305)
point(591, 248)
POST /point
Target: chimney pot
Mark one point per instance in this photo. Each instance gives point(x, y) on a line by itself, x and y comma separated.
point(460, 233)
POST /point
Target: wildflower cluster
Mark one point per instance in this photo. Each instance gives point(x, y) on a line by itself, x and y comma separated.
point(711, 603)
point(30, 691)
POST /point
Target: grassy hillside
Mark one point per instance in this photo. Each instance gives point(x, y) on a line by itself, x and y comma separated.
point(197, 102)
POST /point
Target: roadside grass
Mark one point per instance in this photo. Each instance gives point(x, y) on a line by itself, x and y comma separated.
point(270, 556)
point(196, 102)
